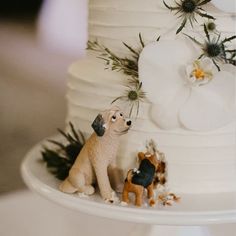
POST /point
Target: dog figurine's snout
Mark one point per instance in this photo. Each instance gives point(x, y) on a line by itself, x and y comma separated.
point(129, 122)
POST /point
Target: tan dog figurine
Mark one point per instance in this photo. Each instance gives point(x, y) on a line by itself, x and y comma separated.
point(143, 178)
point(98, 156)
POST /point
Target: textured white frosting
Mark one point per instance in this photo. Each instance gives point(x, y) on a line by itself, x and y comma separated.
point(198, 162)
point(112, 22)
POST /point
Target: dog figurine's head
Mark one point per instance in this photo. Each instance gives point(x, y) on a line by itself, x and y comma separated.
point(151, 157)
point(157, 159)
point(112, 121)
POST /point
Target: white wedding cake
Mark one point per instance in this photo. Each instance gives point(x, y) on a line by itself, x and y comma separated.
point(187, 105)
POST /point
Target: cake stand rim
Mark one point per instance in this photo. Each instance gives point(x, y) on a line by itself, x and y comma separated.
point(134, 215)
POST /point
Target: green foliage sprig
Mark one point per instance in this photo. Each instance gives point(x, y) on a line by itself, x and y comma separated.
point(60, 159)
point(129, 66)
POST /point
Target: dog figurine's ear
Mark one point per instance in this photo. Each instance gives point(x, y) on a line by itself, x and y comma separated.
point(141, 156)
point(98, 125)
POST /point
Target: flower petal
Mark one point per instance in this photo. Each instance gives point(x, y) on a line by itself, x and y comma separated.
point(207, 64)
point(163, 76)
point(210, 106)
point(165, 114)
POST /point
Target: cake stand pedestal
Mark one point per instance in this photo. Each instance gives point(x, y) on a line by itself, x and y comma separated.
point(191, 216)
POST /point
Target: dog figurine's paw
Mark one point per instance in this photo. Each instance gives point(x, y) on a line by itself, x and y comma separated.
point(89, 190)
point(152, 202)
point(113, 199)
point(82, 195)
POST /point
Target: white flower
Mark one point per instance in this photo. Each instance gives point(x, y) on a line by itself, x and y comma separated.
point(175, 103)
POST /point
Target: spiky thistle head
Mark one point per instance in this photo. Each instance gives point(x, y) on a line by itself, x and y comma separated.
point(133, 96)
point(216, 48)
point(187, 10)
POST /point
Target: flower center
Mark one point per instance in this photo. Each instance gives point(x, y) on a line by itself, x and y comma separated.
point(211, 26)
point(213, 50)
point(189, 6)
point(133, 95)
point(199, 74)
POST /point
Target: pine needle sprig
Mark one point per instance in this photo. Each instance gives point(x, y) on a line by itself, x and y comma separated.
point(133, 95)
point(128, 65)
point(60, 159)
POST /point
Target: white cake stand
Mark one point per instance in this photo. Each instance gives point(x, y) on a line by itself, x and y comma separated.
point(189, 217)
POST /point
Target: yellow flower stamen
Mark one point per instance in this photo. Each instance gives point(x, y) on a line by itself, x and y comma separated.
point(199, 74)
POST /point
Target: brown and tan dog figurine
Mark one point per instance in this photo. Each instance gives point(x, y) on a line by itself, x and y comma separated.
point(98, 156)
point(143, 178)
point(160, 176)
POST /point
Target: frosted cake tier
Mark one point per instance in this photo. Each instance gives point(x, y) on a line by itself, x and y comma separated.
point(198, 162)
point(112, 22)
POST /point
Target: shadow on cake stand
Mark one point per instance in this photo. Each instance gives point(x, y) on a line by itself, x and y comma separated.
point(189, 217)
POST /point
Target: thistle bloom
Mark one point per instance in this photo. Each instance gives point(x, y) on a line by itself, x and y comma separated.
point(133, 96)
point(211, 26)
point(216, 49)
point(172, 85)
point(188, 10)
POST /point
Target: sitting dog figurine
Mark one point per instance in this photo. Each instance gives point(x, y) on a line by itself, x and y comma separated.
point(98, 156)
point(143, 178)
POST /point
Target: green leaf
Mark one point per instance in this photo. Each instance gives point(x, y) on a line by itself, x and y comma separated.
point(193, 39)
point(57, 143)
point(137, 110)
point(67, 136)
point(141, 40)
point(72, 151)
point(73, 131)
point(116, 99)
point(182, 25)
point(203, 2)
point(232, 62)
point(217, 66)
point(229, 39)
point(131, 49)
point(206, 33)
point(131, 110)
point(205, 15)
point(59, 161)
point(201, 56)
